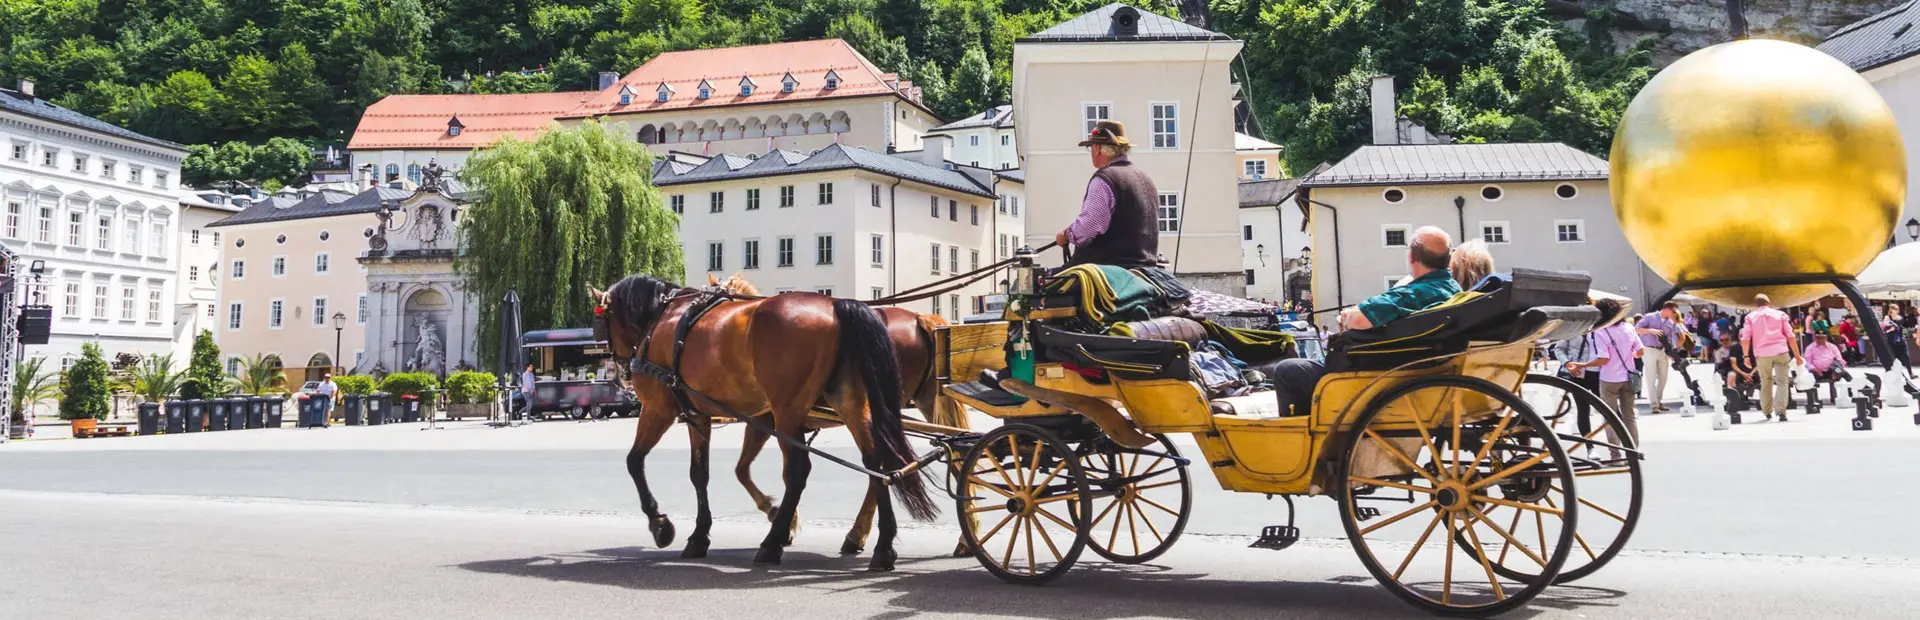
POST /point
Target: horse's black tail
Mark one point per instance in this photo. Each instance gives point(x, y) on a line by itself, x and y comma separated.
point(865, 348)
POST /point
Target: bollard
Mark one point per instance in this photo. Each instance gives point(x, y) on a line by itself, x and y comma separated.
point(217, 414)
point(276, 412)
point(148, 420)
point(196, 415)
point(356, 410)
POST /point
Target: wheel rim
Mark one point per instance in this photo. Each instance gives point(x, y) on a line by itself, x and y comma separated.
point(1611, 489)
point(1022, 510)
point(1438, 550)
point(1145, 499)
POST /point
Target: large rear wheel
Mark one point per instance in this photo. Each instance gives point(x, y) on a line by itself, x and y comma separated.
point(1606, 461)
point(1440, 451)
point(1144, 499)
point(1028, 496)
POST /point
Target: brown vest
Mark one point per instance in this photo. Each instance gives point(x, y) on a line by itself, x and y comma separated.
point(1132, 238)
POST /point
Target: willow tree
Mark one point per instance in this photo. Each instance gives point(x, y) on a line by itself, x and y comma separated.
point(574, 209)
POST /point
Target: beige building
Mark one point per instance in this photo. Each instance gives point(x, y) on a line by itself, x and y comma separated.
point(1259, 159)
point(843, 221)
point(1171, 85)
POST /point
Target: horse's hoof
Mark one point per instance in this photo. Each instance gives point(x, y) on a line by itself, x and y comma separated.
point(662, 530)
point(962, 550)
point(882, 561)
point(789, 541)
point(696, 548)
point(768, 555)
point(851, 548)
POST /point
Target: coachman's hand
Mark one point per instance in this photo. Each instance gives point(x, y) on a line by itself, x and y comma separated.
point(1060, 238)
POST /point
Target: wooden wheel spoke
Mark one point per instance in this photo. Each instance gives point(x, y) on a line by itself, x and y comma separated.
point(1133, 528)
point(987, 508)
point(1155, 504)
point(1396, 518)
point(1402, 456)
point(1480, 553)
point(1603, 472)
point(1589, 503)
point(1446, 585)
point(1502, 474)
point(1433, 447)
point(1103, 513)
point(1509, 536)
point(1513, 504)
point(1486, 446)
point(990, 486)
point(1506, 547)
point(1031, 555)
point(1156, 485)
point(1576, 534)
point(1034, 472)
point(1048, 538)
point(996, 528)
point(1393, 485)
point(1418, 544)
point(1056, 519)
point(1006, 557)
point(1043, 484)
point(1157, 537)
point(1458, 397)
point(995, 462)
point(1114, 535)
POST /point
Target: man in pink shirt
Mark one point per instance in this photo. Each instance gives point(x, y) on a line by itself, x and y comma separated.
point(1771, 348)
point(1824, 360)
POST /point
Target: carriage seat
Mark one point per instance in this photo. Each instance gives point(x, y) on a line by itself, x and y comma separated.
point(1503, 308)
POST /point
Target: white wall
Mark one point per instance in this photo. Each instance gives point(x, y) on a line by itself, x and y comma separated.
point(1899, 84)
point(997, 149)
point(1270, 236)
point(197, 282)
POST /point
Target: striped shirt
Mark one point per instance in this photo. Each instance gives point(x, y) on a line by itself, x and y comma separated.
point(1096, 212)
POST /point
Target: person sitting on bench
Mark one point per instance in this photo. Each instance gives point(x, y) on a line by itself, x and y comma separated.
point(1823, 360)
point(1428, 254)
point(1732, 366)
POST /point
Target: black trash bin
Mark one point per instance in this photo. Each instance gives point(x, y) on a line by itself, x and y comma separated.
point(356, 413)
point(148, 422)
point(176, 410)
point(377, 408)
point(409, 408)
point(276, 412)
point(219, 413)
point(196, 415)
point(256, 412)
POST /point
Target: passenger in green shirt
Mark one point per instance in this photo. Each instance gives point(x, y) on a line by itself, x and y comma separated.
point(1428, 252)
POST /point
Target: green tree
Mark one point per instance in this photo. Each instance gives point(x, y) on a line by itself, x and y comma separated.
point(185, 107)
point(203, 378)
point(971, 89)
point(259, 375)
point(32, 384)
point(574, 209)
point(297, 91)
point(285, 160)
point(86, 392)
point(154, 379)
point(248, 89)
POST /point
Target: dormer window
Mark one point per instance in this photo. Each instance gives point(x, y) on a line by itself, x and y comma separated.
point(746, 86)
point(787, 83)
point(626, 95)
point(663, 93)
point(454, 126)
point(833, 80)
point(706, 89)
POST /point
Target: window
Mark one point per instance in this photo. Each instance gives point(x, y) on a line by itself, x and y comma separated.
point(70, 303)
point(974, 214)
point(1566, 191)
point(131, 231)
point(826, 193)
point(973, 140)
point(786, 85)
point(233, 365)
point(1254, 168)
point(823, 250)
point(753, 199)
point(936, 305)
point(103, 236)
point(1003, 246)
point(824, 290)
point(1492, 193)
point(953, 301)
point(49, 157)
point(14, 210)
point(46, 225)
point(934, 203)
point(1166, 134)
point(1393, 280)
point(320, 312)
point(785, 251)
point(414, 173)
point(878, 244)
point(1493, 232)
point(746, 90)
point(153, 304)
point(20, 151)
point(1006, 140)
point(1013, 205)
point(716, 202)
point(216, 238)
point(953, 259)
point(1000, 203)
point(1394, 235)
point(233, 317)
point(678, 203)
point(936, 261)
point(786, 196)
point(878, 293)
point(73, 227)
point(279, 266)
point(126, 303)
point(159, 179)
point(975, 264)
point(193, 274)
point(876, 194)
point(1393, 195)
point(239, 270)
point(322, 261)
point(1249, 273)
point(79, 163)
point(1093, 113)
point(194, 237)
point(210, 312)
point(274, 313)
point(953, 210)
point(716, 250)
point(107, 168)
point(360, 313)
point(1570, 231)
point(1169, 212)
point(159, 242)
point(1246, 232)
point(133, 174)
point(750, 254)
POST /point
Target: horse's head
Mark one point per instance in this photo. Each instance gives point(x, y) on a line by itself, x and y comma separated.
point(738, 285)
point(626, 310)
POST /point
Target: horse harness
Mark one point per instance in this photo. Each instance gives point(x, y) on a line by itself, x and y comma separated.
point(703, 302)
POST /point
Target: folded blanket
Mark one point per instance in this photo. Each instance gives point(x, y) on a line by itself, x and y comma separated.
point(1104, 293)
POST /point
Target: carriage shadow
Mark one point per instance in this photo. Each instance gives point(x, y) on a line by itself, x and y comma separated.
point(1095, 590)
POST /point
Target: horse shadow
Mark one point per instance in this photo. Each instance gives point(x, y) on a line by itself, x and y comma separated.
point(1093, 591)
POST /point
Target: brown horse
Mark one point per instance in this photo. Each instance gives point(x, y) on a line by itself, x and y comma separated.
point(912, 335)
point(774, 357)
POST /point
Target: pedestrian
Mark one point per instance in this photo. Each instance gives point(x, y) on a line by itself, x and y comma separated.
point(324, 394)
point(527, 383)
point(1731, 364)
point(1572, 354)
point(1824, 361)
point(1896, 330)
point(1849, 331)
point(1615, 349)
point(1770, 348)
point(1660, 335)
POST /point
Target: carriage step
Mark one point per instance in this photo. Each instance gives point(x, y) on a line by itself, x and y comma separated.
point(988, 394)
point(1365, 513)
point(1276, 537)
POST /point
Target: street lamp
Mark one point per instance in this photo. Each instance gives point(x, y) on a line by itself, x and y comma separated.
point(339, 324)
point(1913, 228)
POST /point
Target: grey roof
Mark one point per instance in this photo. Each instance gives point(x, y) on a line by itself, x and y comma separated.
point(998, 117)
point(1875, 41)
point(1460, 163)
point(835, 157)
point(324, 204)
point(1097, 27)
point(1266, 193)
point(15, 101)
point(1017, 175)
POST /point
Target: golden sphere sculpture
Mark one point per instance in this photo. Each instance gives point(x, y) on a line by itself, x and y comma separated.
point(1753, 160)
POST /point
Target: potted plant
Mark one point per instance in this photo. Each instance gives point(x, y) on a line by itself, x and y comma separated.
point(469, 393)
point(84, 399)
point(32, 384)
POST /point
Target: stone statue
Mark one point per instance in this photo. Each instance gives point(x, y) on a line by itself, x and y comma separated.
point(427, 228)
point(378, 242)
point(427, 354)
point(430, 178)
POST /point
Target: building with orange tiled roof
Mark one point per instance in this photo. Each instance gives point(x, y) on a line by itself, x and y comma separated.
point(800, 96)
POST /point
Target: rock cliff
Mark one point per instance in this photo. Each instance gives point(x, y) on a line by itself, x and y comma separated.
point(1681, 26)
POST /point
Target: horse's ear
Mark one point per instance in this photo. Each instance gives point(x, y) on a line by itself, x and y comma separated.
point(712, 281)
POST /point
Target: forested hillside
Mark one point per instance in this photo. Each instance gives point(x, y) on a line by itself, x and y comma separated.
point(208, 72)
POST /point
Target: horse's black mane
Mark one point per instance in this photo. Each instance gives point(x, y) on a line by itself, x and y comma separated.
point(637, 299)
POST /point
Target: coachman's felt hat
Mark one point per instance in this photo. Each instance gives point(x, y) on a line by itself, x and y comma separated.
point(1110, 133)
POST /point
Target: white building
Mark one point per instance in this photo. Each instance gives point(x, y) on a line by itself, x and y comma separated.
point(984, 140)
point(1171, 85)
point(1274, 246)
point(1888, 56)
point(197, 274)
point(100, 206)
point(1259, 159)
point(843, 221)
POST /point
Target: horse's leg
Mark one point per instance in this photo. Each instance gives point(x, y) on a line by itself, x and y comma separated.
point(862, 525)
point(849, 397)
point(789, 420)
point(656, 416)
point(750, 446)
point(948, 412)
point(700, 434)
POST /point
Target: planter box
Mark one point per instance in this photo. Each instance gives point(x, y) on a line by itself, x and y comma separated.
point(457, 411)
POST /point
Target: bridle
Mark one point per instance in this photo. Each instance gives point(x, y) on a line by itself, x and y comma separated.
point(603, 330)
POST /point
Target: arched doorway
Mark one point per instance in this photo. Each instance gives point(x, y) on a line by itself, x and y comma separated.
point(424, 328)
point(318, 366)
point(649, 134)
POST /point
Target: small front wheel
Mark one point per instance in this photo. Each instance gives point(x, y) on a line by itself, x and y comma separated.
point(1144, 499)
point(1023, 504)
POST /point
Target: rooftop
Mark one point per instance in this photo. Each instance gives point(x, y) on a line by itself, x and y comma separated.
point(420, 121)
point(1244, 142)
point(997, 117)
point(22, 103)
point(1876, 41)
point(1098, 26)
point(326, 203)
point(1460, 163)
point(1267, 193)
point(835, 157)
point(808, 62)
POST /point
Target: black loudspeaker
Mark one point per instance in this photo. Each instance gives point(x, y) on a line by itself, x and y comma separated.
point(36, 324)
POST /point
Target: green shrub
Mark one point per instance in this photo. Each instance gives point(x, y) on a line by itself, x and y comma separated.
point(403, 383)
point(470, 387)
point(84, 394)
point(354, 384)
point(204, 378)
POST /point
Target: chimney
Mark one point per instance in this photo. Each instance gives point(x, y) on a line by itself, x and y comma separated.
point(366, 177)
point(1386, 119)
point(933, 150)
point(26, 87)
point(607, 78)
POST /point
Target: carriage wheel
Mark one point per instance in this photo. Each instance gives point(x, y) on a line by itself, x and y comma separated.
point(1145, 498)
point(1609, 485)
point(1028, 495)
point(1399, 469)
